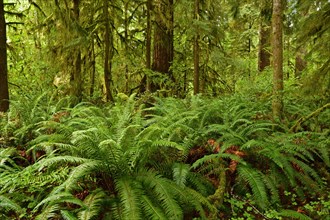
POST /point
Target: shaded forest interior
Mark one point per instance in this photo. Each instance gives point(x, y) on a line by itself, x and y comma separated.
point(164, 109)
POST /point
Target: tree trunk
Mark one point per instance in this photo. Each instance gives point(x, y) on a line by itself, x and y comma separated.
point(108, 44)
point(163, 41)
point(264, 43)
point(4, 93)
point(196, 50)
point(93, 65)
point(264, 35)
point(148, 41)
point(277, 48)
point(126, 4)
point(300, 62)
point(77, 78)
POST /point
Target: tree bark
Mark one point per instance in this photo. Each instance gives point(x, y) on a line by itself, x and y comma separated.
point(4, 93)
point(277, 49)
point(264, 43)
point(93, 65)
point(108, 44)
point(264, 35)
point(76, 78)
point(126, 4)
point(196, 50)
point(148, 42)
point(163, 40)
point(300, 62)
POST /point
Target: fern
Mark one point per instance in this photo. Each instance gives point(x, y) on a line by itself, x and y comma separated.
point(215, 157)
point(93, 203)
point(8, 204)
point(160, 187)
point(152, 210)
point(258, 188)
point(58, 198)
point(180, 172)
point(67, 215)
point(129, 194)
point(293, 214)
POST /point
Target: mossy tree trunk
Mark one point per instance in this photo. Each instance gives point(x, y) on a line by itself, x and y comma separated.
point(108, 52)
point(163, 41)
point(277, 49)
point(196, 50)
point(76, 77)
point(4, 93)
point(264, 35)
point(148, 42)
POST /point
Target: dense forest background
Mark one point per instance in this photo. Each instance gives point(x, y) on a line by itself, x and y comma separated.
point(164, 109)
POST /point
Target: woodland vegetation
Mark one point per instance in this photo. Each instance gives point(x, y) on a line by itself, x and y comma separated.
point(164, 109)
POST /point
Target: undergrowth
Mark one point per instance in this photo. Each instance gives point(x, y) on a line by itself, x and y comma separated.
point(197, 158)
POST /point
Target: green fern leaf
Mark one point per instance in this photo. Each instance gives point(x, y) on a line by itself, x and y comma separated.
point(93, 203)
point(79, 172)
point(255, 181)
point(58, 198)
point(152, 210)
point(180, 172)
point(216, 157)
point(10, 204)
point(293, 214)
point(67, 215)
point(61, 159)
point(164, 143)
point(49, 212)
point(164, 195)
point(129, 197)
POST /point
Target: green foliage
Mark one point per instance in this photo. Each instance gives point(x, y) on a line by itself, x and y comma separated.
point(145, 157)
point(130, 162)
point(103, 147)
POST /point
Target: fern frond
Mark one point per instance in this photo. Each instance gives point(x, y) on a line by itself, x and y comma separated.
point(199, 202)
point(293, 214)
point(9, 204)
point(129, 194)
point(152, 210)
point(215, 157)
point(61, 159)
point(165, 143)
point(67, 215)
point(93, 204)
point(58, 198)
point(270, 183)
point(308, 170)
point(255, 181)
point(199, 183)
point(164, 195)
point(180, 172)
point(80, 172)
point(49, 212)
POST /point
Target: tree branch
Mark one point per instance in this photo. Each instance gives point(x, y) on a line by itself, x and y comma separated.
point(295, 127)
